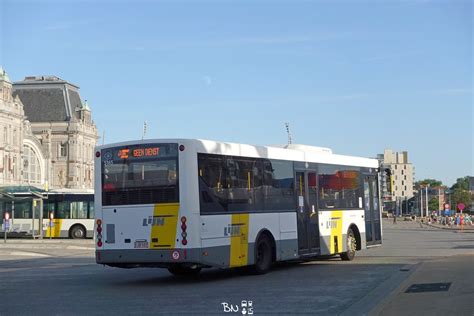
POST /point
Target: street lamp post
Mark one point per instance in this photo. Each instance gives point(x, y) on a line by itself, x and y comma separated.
point(421, 202)
point(427, 209)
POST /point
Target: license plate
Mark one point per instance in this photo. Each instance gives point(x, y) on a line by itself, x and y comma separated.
point(141, 244)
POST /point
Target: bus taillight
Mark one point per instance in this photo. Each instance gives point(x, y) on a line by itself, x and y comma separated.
point(99, 232)
point(184, 241)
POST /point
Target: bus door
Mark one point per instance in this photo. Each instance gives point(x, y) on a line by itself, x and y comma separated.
point(307, 212)
point(373, 231)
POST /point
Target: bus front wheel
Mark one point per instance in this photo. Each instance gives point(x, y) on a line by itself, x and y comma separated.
point(78, 232)
point(263, 255)
point(351, 246)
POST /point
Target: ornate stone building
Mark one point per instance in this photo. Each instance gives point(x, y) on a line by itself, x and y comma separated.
point(48, 134)
point(12, 126)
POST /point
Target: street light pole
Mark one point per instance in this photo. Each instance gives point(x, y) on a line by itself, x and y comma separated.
point(427, 209)
point(421, 202)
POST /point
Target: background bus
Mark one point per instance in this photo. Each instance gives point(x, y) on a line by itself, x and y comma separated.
point(186, 204)
point(30, 211)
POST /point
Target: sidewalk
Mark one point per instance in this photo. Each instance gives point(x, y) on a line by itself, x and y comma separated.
point(457, 300)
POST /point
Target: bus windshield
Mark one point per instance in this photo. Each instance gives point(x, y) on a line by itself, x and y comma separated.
point(140, 174)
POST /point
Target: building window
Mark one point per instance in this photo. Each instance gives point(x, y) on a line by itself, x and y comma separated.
point(63, 150)
point(31, 166)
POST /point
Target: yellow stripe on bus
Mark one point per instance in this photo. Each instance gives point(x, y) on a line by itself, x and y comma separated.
point(54, 231)
point(239, 243)
point(336, 232)
point(163, 226)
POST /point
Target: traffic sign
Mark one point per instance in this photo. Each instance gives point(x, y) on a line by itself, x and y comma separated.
point(461, 206)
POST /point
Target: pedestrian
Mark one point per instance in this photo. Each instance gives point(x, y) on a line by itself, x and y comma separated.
point(461, 221)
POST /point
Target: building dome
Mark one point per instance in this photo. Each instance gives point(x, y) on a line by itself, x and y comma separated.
point(3, 75)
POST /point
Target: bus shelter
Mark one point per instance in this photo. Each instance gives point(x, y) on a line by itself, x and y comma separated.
point(25, 205)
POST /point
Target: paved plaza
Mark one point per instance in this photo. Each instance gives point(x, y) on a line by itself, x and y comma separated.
point(60, 277)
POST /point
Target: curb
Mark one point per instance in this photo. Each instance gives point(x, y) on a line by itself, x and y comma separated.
point(373, 300)
point(394, 284)
point(450, 229)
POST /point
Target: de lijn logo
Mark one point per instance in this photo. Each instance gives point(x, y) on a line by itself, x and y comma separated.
point(246, 307)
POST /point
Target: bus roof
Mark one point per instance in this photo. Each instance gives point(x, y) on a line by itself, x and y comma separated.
point(295, 152)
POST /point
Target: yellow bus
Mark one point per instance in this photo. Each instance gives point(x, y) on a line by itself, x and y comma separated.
point(56, 214)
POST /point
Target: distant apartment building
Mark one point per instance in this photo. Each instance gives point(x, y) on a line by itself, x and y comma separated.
point(47, 135)
point(397, 176)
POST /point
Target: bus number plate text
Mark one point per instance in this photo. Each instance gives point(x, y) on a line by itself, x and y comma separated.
point(141, 244)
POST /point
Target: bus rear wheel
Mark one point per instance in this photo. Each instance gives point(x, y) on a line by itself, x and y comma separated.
point(351, 246)
point(78, 232)
point(184, 271)
point(263, 255)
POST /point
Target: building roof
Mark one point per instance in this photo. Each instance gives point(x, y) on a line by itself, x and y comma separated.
point(48, 99)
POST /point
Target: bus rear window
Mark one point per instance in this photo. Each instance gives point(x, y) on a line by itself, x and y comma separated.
point(140, 174)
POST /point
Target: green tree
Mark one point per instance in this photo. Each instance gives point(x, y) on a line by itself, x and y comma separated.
point(433, 204)
point(430, 182)
point(461, 196)
point(461, 183)
point(460, 193)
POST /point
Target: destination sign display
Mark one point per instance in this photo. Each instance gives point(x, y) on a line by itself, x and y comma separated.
point(138, 152)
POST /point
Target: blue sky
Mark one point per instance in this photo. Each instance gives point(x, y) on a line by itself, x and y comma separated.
point(355, 76)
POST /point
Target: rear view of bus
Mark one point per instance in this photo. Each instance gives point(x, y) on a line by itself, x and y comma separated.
point(138, 220)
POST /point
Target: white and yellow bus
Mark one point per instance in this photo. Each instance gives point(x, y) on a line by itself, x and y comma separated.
point(65, 213)
point(187, 204)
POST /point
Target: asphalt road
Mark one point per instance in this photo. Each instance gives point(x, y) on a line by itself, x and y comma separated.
point(61, 278)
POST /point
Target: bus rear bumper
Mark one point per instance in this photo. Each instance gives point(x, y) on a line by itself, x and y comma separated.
point(131, 258)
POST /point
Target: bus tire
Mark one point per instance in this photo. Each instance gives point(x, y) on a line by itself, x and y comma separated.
point(184, 271)
point(351, 246)
point(77, 232)
point(263, 255)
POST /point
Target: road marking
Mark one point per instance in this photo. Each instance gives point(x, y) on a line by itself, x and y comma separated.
point(26, 254)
